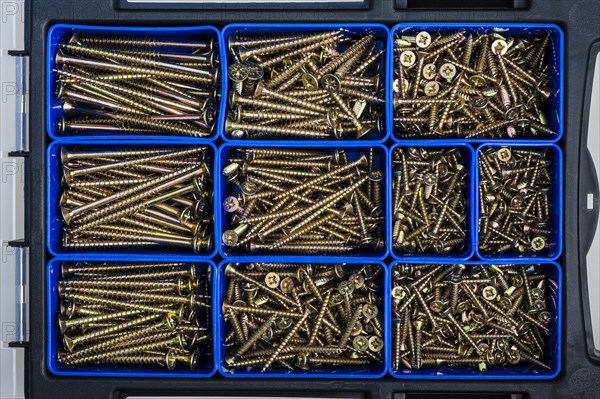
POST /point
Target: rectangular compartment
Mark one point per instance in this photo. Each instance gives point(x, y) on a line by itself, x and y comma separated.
point(54, 175)
point(553, 106)
point(224, 189)
point(556, 205)
point(322, 372)
point(470, 164)
point(552, 350)
point(206, 366)
point(383, 42)
point(57, 33)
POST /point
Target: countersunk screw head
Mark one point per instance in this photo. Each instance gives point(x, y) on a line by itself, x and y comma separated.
point(231, 204)
point(370, 311)
point(432, 88)
point(538, 243)
point(408, 58)
point(423, 39)
point(330, 83)
point(238, 72)
point(490, 293)
point(272, 280)
point(398, 293)
point(346, 287)
point(504, 154)
point(448, 71)
point(310, 82)
point(499, 47)
point(360, 343)
point(545, 317)
point(429, 71)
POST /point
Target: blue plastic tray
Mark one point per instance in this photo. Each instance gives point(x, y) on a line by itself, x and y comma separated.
point(373, 371)
point(58, 32)
point(556, 205)
point(382, 37)
point(206, 365)
point(552, 350)
point(554, 105)
point(54, 219)
point(470, 163)
point(224, 189)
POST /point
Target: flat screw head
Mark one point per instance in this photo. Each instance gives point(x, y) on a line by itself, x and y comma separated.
point(423, 39)
point(398, 293)
point(490, 293)
point(408, 58)
point(272, 280)
point(499, 47)
point(370, 311)
point(448, 71)
point(231, 204)
point(538, 243)
point(346, 287)
point(360, 343)
point(429, 71)
point(330, 83)
point(432, 88)
point(504, 154)
point(230, 237)
point(238, 72)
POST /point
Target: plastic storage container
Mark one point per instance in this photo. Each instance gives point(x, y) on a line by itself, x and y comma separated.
point(556, 218)
point(554, 105)
point(552, 350)
point(57, 35)
point(344, 372)
point(578, 361)
point(55, 221)
point(206, 365)
point(470, 164)
point(224, 189)
point(382, 42)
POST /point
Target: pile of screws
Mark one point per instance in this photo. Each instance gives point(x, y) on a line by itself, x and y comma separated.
point(430, 200)
point(471, 86)
point(303, 317)
point(151, 314)
point(304, 201)
point(137, 198)
point(131, 85)
point(481, 316)
point(320, 85)
point(514, 200)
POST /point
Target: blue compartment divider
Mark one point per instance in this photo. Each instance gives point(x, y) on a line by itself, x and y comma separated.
point(206, 366)
point(556, 205)
point(334, 372)
point(552, 350)
point(224, 189)
point(554, 105)
point(54, 219)
point(471, 165)
point(58, 32)
point(383, 40)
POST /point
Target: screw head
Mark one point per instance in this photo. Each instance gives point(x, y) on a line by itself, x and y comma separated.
point(310, 82)
point(490, 293)
point(330, 83)
point(408, 58)
point(238, 72)
point(230, 238)
point(504, 154)
point(272, 280)
point(360, 343)
point(448, 71)
point(423, 39)
point(499, 47)
point(398, 292)
point(538, 243)
point(432, 88)
point(429, 71)
point(346, 287)
point(370, 311)
point(231, 204)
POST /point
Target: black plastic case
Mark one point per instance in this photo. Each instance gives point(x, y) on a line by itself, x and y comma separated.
point(580, 21)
